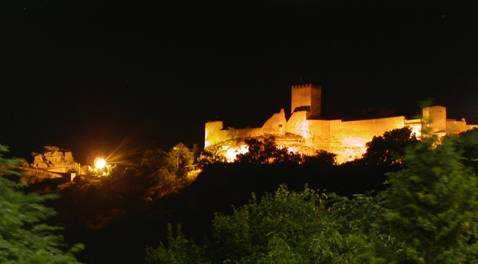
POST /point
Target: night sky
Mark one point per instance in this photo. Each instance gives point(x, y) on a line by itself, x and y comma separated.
point(94, 75)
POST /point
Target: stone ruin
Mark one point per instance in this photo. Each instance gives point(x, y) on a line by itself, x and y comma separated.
point(55, 160)
point(52, 163)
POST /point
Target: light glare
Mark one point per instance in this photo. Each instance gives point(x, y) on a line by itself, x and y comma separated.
point(100, 163)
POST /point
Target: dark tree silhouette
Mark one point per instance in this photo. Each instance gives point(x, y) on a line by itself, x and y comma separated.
point(467, 144)
point(389, 149)
point(265, 151)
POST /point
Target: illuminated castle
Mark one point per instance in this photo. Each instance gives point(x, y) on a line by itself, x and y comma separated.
point(307, 132)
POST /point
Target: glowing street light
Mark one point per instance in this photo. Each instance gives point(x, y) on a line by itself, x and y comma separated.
point(100, 163)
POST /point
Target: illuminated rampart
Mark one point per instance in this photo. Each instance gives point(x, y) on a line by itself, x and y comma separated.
point(304, 131)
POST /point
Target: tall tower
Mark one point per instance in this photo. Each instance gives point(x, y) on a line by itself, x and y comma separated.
point(434, 117)
point(307, 97)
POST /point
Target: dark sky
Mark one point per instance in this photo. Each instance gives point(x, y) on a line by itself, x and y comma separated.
point(91, 75)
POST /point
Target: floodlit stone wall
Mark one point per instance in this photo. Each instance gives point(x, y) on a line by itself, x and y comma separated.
point(455, 126)
point(215, 133)
point(298, 124)
point(276, 124)
point(347, 139)
point(320, 133)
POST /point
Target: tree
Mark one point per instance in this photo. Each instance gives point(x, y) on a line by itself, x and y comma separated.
point(360, 216)
point(25, 237)
point(182, 159)
point(389, 149)
point(467, 144)
point(321, 159)
point(427, 214)
point(265, 151)
point(178, 160)
point(178, 250)
point(169, 169)
point(284, 227)
point(432, 205)
point(259, 151)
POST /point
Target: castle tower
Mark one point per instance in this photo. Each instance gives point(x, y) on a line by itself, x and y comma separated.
point(434, 117)
point(307, 97)
point(212, 133)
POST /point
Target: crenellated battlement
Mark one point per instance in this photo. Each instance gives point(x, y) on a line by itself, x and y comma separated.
point(307, 97)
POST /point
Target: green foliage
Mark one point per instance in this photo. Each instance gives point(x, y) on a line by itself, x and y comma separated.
point(360, 217)
point(432, 205)
point(467, 144)
point(169, 169)
point(286, 227)
point(176, 162)
point(427, 214)
point(97, 201)
point(24, 235)
point(181, 158)
point(333, 246)
point(247, 233)
point(177, 250)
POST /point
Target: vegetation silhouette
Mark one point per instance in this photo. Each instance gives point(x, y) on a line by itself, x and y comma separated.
point(427, 214)
point(117, 216)
point(26, 233)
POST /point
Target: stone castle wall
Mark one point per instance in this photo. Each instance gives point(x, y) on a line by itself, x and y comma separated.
point(276, 124)
point(347, 139)
point(215, 133)
point(455, 126)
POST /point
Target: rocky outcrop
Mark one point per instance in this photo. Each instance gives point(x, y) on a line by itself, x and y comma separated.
point(53, 159)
